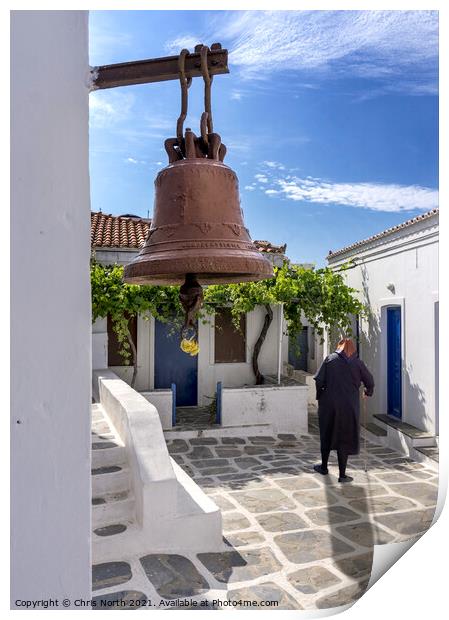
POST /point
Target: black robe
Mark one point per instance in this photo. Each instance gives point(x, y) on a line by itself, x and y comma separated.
point(337, 391)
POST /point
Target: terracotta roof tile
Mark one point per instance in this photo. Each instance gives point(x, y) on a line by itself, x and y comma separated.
point(119, 231)
point(116, 231)
point(270, 248)
point(384, 233)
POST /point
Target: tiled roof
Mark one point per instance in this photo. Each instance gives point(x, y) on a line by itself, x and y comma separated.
point(117, 231)
point(384, 233)
point(270, 248)
point(130, 232)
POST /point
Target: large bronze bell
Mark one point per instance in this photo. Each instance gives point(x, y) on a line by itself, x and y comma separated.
point(197, 234)
point(197, 228)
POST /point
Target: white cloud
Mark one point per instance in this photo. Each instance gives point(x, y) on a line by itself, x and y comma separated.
point(274, 164)
point(386, 45)
point(107, 107)
point(250, 188)
point(262, 178)
point(236, 95)
point(132, 160)
point(186, 41)
point(374, 196)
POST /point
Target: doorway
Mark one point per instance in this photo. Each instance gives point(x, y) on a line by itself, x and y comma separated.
point(394, 362)
point(171, 365)
point(298, 350)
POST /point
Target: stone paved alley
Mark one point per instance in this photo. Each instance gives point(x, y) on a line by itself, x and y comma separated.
point(290, 535)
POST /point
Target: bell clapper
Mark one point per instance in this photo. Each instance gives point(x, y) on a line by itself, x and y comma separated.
point(191, 298)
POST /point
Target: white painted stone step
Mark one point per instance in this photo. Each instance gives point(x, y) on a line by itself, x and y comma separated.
point(117, 507)
point(159, 539)
point(421, 457)
point(108, 456)
point(110, 481)
point(410, 435)
point(380, 440)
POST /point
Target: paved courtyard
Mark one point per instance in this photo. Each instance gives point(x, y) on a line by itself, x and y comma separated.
point(290, 535)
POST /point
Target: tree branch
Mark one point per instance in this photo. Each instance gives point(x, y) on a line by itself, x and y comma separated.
point(260, 379)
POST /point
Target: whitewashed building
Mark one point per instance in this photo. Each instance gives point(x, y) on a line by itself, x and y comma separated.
point(396, 274)
point(225, 353)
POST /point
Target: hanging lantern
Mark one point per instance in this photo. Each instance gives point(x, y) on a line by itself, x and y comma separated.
point(197, 233)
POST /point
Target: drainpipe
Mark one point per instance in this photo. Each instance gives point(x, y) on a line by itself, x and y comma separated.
point(281, 320)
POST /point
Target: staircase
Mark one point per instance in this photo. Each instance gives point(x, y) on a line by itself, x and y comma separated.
point(113, 505)
point(142, 501)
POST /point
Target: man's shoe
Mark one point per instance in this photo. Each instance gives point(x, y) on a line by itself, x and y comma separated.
point(345, 479)
point(321, 470)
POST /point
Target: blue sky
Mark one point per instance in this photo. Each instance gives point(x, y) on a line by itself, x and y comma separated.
point(330, 117)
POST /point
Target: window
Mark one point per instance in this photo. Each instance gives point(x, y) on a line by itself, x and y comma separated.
point(114, 357)
point(230, 342)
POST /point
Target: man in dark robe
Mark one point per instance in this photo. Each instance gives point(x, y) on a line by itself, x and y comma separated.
point(337, 391)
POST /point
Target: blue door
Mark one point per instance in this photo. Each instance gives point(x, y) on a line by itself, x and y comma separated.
point(171, 365)
point(394, 362)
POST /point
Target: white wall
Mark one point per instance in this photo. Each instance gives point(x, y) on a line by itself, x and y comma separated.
point(209, 373)
point(100, 344)
point(409, 261)
point(145, 331)
point(50, 294)
point(283, 407)
point(162, 400)
point(237, 375)
point(115, 256)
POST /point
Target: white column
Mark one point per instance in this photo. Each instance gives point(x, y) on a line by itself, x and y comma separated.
point(51, 318)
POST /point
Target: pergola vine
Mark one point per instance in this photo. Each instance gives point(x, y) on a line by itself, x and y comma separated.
point(318, 295)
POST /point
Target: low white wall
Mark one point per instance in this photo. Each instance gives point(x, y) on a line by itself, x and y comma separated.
point(138, 425)
point(284, 407)
point(163, 401)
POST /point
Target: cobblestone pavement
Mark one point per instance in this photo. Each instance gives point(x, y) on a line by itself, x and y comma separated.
point(291, 535)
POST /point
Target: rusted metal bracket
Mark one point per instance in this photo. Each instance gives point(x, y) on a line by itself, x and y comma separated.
point(158, 69)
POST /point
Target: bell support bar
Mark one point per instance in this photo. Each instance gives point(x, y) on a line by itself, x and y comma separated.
point(157, 69)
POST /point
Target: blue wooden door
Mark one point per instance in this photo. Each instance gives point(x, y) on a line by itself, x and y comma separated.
point(394, 362)
point(298, 349)
point(171, 365)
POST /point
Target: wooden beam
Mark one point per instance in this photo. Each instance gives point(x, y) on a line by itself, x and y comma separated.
point(156, 70)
